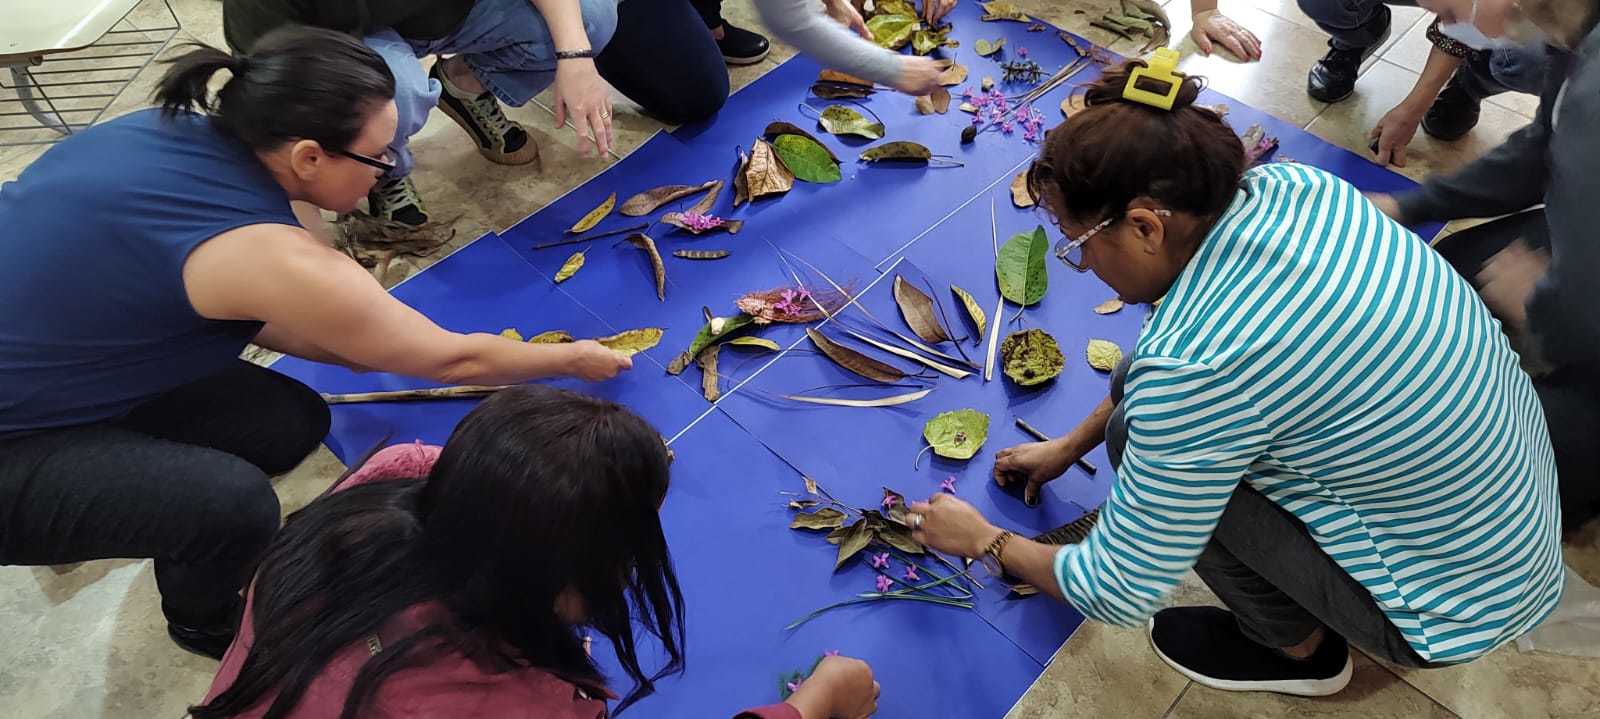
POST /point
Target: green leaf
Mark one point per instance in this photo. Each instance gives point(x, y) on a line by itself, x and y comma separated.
point(825, 518)
point(570, 267)
point(859, 537)
point(841, 120)
point(985, 48)
point(957, 434)
point(1020, 267)
point(894, 7)
point(713, 330)
point(924, 41)
point(1002, 10)
point(892, 32)
point(808, 160)
point(1031, 357)
point(1104, 355)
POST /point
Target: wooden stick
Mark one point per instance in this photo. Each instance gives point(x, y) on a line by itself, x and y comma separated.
point(409, 395)
point(610, 233)
point(1034, 432)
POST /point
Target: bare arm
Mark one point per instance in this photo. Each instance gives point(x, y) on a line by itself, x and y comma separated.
point(323, 300)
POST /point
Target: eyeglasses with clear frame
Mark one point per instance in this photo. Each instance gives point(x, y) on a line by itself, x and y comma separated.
point(1070, 250)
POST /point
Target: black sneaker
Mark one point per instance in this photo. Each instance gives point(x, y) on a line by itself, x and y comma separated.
point(1333, 78)
point(396, 199)
point(1453, 114)
point(212, 642)
point(1206, 645)
point(499, 139)
point(742, 47)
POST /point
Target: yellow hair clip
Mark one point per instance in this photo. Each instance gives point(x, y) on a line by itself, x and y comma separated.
point(1161, 67)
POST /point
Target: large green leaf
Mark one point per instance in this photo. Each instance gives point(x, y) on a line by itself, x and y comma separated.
point(1020, 267)
point(711, 331)
point(808, 160)
point(957, 434)
point(841, 120)
point(892, 31)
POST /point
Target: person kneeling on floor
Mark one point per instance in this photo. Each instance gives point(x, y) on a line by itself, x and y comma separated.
point(142, 255)
point(1319, 417)
point(452, 582)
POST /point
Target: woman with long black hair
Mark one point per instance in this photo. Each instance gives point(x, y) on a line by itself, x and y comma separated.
point(452, 583)
point(140, 257)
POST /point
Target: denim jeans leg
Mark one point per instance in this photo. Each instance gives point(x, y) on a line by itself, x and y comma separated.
point(415, 93)
point(508, 46)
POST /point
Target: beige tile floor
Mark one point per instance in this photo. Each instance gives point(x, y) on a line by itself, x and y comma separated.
point(88, 640)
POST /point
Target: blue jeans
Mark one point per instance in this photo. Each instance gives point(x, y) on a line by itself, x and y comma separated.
point(506, 44)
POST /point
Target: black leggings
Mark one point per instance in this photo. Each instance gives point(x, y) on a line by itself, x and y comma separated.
point(181, 479)
point(663, 57)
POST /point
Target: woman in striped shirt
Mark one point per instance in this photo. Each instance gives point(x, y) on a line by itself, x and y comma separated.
point(1320, 418)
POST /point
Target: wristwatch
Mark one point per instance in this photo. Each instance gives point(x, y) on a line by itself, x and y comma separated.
point(991, 554)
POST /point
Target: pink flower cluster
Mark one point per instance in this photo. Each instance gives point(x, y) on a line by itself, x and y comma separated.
point(700, 222)
point(995, 109)
point(949, 484)
point(884, 583)
point(792, 302)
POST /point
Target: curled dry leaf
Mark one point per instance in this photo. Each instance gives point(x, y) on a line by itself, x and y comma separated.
point(987, 83)
point(1104, 355)
point(974, 312)
point(741, 186)
point(511, 333)
point(701, 254)
point(643, 242)
point(841, 120)
point(1031, 357)
point(714, 329)
point(766, 174)
point(826, 518)
point(652, 199)
point(859, 537)
point(918, 310)
point(713, 191)
point(985, 48)
point(970, 109)
point(1002, 10)
point(840, 91)
point(842, 77)
point(758, 342)
point(1257, 144)
point(570, 267)
point(957, 434)
point(954, 73)
point(854, 361)
point(708, 373)
point(1021, 196)
point(807, 158)
point(901, 151)
point(594, 217)
point(1110, 306)
point(1020, 267)
point(890, 401)
point(632, 342)
point(553, 337)
point(937, 101)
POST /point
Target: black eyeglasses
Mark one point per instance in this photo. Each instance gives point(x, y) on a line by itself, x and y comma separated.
point(373, 162)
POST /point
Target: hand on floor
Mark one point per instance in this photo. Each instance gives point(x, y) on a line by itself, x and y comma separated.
point(1392, 133)
point(1212, 28)
point(584, 99)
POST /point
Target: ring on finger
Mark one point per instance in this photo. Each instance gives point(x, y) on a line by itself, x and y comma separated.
point(915, 520)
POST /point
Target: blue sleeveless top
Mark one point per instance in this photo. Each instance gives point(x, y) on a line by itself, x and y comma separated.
point(94, 316)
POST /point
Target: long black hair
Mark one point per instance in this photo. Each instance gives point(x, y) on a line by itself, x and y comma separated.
point(538, 491)
point(298, 83)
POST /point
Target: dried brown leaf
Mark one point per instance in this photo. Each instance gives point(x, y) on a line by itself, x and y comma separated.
point(708, 373)
point(854, 361)
point(713, 190)
point(937, 101)
point(954, 73)
point(1110, 306)
point(840, 91)
point(1074, 104)
point(701, 254)
point(644, 242)
point(858, 539)
point(651, 200)
point(900, 538)
point(918, 310)
point(1021, 196)
point(741, 186)
point(594, 217)
point(846, 78)
point(987, 84)
point(811, 485)
point(675, 219)
point(826, 518)
point(766, 174)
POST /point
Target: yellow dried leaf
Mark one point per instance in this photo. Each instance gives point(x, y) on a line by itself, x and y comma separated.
point(936, 102)
point(969, 108)
point(1104, 355)
point(954, 73)
point(595, 215)
point(1020, 195)
point(761, 342)
point(511, 333)
point(570, 267)
point(632, 342)
point(553, 337)
point(1108, 307)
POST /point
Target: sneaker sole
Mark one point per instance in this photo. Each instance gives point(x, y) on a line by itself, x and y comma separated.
point(746, 60)
point(528, 154)
point(1296, 687)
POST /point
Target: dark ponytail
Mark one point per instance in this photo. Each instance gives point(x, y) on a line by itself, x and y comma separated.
point(1116, 150)
point(299, 83)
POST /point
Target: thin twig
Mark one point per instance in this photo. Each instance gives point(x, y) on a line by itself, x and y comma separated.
point(609, 233)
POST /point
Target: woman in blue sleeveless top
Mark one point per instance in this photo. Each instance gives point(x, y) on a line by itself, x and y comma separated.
point(141, 257)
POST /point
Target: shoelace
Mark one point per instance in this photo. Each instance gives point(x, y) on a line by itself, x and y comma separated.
point(399, 193)
point(486, 111)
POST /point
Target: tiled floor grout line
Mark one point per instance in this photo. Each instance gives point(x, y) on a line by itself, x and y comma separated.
point(1176, 701)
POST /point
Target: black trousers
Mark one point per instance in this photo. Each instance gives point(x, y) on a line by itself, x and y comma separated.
point(1265, 567)
point(663, 57)
point(181, 479)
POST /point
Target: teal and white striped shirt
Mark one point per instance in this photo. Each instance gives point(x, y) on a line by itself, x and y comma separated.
point(1322, 353)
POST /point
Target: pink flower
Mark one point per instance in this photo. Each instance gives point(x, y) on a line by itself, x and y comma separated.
point(884, 583)
point(911, 573)
point(831, 653)
point(977, 119)
point(1022, 52)
point(889, 501)
point(880, 560)
point(949, 484)
point(700, 222)
point(793, 686)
